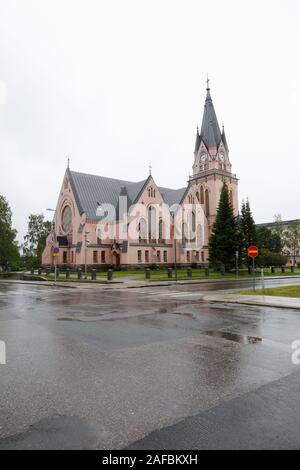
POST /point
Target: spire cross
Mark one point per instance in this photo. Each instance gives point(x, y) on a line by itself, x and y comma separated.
point(207, 83)
point(68, 161)
point(150, 168)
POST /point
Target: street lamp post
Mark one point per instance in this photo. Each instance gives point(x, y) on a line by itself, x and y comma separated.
point(85, 257)
point(54, 237)
point(175, 247)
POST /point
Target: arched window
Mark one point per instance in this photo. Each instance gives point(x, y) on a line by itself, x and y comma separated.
point(199, 236)
point(193, 222)
point(191, 226)
point(142, 231)
point(99, 236)
point(201, 195)
point(152, 224)
point(207, 203)
point(184, 233)
point(198, 196)
point(161, 231)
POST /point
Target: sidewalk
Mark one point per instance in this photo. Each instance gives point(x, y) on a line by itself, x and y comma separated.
point(131, 283)
point(259, 300)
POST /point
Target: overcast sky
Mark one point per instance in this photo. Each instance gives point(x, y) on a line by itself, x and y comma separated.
point(116, 84)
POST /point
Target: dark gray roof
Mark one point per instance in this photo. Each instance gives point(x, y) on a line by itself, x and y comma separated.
point(198, 141)
point(210, 130)
point(172, 196)
point(210, 133)
point(91, 190)
point(224, 140)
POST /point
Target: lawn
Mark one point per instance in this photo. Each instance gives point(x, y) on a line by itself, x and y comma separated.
point(288, 291)
point(161, 274)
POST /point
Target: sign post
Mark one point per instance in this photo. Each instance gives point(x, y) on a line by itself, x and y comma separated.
point(253, 253)
point(263, 280)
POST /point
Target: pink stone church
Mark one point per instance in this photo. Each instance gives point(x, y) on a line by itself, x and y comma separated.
point(95, 215)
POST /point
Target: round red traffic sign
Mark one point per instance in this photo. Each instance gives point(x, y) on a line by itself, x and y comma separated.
point(252, 251)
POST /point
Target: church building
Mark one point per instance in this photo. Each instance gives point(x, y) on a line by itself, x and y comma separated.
point(103, 222)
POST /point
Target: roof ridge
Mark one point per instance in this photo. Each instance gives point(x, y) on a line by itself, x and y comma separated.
point(106, 177)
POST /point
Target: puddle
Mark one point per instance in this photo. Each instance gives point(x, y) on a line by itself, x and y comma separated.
point(242, 339)
point(67, 319)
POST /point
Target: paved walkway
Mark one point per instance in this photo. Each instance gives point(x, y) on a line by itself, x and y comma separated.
point(260, 300)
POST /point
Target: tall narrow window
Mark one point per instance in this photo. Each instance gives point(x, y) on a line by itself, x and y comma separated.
point(95, 256)
point(183, 233)
point(142, 231)
point(207, 203)
point(161, 231)
point(201, 195)
point(103, 258)
point(152, 224)
point(65, 257)
point(139, 256)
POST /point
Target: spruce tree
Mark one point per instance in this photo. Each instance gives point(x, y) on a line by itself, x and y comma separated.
point(223, 242)
point(247, 230)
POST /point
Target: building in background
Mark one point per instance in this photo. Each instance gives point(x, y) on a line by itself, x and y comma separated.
point(293, 254)
point(79, 225)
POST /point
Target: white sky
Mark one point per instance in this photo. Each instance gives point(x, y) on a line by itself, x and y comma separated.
point(116, 84)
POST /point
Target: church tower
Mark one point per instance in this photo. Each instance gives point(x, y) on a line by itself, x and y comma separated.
point(212, 166)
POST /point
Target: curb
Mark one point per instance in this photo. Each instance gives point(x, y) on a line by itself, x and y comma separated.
point(250, 303)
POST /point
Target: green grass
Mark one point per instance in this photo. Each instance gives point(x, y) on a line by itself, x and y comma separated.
point(288, 291)
point(162, 274)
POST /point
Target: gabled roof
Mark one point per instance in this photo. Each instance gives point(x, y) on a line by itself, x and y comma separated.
point(172, 196)
point(92, 190)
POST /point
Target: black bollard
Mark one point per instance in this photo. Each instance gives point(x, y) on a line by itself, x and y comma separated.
point(109, 275)
point(94, 274)
point(39, 271)
point(249, 270)
point(148, 273)
point(206, 271)
point(273, 269)
point(283, 269)
point(67, 273)
point(170, 273)
point(79, 273)
point(189, 272)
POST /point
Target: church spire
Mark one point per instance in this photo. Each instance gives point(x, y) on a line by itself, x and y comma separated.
point(224, 140)
point(210, 130)
point(197, 143)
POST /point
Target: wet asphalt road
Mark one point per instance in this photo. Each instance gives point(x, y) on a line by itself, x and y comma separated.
point(145, 368)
